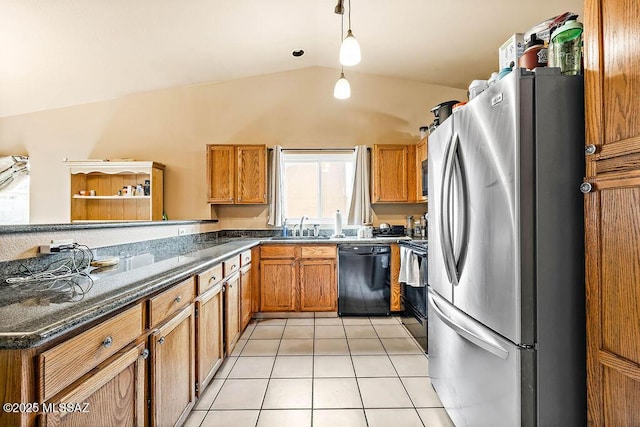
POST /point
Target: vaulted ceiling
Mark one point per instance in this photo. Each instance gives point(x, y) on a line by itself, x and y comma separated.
point(56, 53)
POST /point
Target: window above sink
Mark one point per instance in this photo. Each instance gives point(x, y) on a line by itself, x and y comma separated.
point(316, 184)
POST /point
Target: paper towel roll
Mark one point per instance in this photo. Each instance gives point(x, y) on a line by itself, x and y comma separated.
point(338, 226)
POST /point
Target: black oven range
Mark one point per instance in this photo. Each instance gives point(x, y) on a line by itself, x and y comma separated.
point(414, 296)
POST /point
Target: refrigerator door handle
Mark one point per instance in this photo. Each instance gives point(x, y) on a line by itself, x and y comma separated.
point(477, 336)
point(446, 241)
point(459, 251)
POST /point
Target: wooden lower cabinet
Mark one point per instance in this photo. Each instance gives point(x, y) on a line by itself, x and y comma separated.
point(113, 395)
point(300, 278)
point(231, 311)
point(318, 285)
point(173, 370)
point(125, 381)
point(278, 280)
point(246, 296)
point(209, 336)
point(613, 296)
point(396, 288)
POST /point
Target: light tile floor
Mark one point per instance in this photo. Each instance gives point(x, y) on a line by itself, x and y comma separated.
point(322, 372)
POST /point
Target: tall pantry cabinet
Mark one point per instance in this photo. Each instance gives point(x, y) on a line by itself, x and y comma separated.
point(612, 211)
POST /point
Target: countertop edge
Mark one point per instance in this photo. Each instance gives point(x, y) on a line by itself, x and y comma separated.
point(39, 228)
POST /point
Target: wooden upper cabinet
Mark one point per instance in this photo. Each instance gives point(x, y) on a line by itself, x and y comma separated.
point(421, 155)
point(612, 80)
point(251, 176)
point(394, 175)
point(237, 174)
point(612, 224)
point(220, 173)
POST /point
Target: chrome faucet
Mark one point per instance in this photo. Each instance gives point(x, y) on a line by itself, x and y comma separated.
point(301, 221)
point(293, 230)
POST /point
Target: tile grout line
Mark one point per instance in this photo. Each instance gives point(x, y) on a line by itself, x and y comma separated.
point(355, 375)
point(270, 374)
point(400, 378)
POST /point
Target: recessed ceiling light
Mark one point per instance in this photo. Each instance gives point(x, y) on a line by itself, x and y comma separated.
point(297, 53)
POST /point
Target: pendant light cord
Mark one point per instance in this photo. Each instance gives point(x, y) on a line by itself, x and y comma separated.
point(349, 15)
point(342, 33)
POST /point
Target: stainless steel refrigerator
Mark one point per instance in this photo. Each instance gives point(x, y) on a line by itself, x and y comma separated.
point(506, 255)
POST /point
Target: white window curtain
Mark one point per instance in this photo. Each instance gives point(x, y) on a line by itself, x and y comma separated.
point(276, 199)
point(360, 206)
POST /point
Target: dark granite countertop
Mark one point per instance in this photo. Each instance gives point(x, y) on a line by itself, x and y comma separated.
point(31, 315)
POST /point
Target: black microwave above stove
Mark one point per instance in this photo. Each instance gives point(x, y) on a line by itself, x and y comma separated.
point(425, 166)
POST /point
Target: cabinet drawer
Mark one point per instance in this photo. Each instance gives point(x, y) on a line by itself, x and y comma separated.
point(278, 251)
point(326, 251)
point(170, 301)
point(245, 258)
point(231, 265)
point(67, 362)
point(208, 279)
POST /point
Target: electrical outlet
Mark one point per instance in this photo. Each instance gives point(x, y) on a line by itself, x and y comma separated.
point(57, 246)
point(182, 231)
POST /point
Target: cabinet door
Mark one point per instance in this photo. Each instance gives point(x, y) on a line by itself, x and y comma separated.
point(172, 369)
point(209, 338)
point(231, 312)
point(391, 173)
point(220, 173)
point(318, 285)
point(396, 288)
point(278, 285)
point(113, 395)
point(251, 174)
point(421, 154)
point(246, 296)
point(612, 88)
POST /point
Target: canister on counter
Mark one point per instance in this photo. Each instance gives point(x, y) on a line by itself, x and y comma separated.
point(409, 226)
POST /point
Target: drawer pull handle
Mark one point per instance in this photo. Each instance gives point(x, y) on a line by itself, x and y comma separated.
point(178, 299)
point(233, 267)
point(145, 353)
point(107, 342)
point(212, 279)
point(161, 340)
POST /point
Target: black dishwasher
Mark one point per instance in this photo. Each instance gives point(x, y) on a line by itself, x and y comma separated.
point(363, 280)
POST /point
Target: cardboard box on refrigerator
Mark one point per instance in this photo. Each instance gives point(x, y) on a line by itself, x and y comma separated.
point(511, 51)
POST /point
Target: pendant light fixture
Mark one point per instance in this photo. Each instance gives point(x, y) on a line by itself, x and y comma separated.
point(350, 48)
point(342, 89)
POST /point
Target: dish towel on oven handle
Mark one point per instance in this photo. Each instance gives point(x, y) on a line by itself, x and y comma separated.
point(409, 268)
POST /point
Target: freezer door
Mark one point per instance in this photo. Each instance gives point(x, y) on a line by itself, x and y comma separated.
point(485, 206)
point(439, 142)
point(481, 378)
